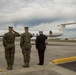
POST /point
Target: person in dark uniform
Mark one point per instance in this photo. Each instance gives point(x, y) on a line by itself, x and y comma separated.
point(41, 46)
point(9, 45)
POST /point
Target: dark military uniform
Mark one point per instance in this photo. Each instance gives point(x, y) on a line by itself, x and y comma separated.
point(26, 47)
point(41, 46)
point(9, 45)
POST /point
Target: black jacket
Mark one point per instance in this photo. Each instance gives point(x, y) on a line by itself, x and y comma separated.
point(40, 42)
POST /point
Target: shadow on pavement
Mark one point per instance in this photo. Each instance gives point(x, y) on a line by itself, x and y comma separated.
point(69, 65)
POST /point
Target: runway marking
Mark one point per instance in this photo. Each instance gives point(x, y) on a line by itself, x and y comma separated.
point(1, 70)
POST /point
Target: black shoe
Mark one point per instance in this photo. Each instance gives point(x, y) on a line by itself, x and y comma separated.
point(40, 64)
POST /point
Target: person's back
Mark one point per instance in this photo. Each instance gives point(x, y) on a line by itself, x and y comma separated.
point(9, 37)
point(41, 46)
point(8, 43)
point(41, 42)
point(26, 41)
point(25, 44)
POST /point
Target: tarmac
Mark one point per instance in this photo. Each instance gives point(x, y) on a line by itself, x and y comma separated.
point(54, 50)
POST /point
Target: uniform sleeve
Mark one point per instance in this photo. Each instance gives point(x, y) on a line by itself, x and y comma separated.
point(46, 37)
point(31, 35)
point(17, 34)
point(4, 40)
point(21, 40)
point(36, 42)
point(46, 42)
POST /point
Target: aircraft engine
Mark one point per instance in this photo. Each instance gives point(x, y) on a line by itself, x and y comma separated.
point(50, 32)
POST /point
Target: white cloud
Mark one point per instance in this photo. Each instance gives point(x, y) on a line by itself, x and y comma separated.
point(36, 9)
point(39, 14)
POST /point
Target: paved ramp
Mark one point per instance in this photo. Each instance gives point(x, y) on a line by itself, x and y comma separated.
point(39, 72)
point(55, 50)
point(69, 65)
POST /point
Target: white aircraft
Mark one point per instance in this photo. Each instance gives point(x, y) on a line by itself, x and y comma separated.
point(51, 33)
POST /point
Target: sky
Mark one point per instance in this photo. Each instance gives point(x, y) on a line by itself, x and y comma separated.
point(38, 14)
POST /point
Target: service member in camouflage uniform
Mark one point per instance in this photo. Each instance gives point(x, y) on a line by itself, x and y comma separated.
point(26, 46)
point(9, 45)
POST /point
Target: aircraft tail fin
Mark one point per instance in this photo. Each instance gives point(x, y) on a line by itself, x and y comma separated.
point(62, 26)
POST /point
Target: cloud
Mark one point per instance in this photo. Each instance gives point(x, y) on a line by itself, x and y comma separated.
point(32, 11)
point(37, 14)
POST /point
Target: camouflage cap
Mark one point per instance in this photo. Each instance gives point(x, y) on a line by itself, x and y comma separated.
point(26, 27)
point(10, 27)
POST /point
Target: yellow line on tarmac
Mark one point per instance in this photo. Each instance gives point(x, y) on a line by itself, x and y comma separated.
point(64, 60)
point(1, 70)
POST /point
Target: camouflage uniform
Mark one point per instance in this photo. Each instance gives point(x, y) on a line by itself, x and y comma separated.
point(8, 43)
point(26, 47)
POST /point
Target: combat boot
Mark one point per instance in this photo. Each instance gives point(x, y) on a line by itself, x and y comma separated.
point(11, 67)
point(26, 65)
point(8, 67)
